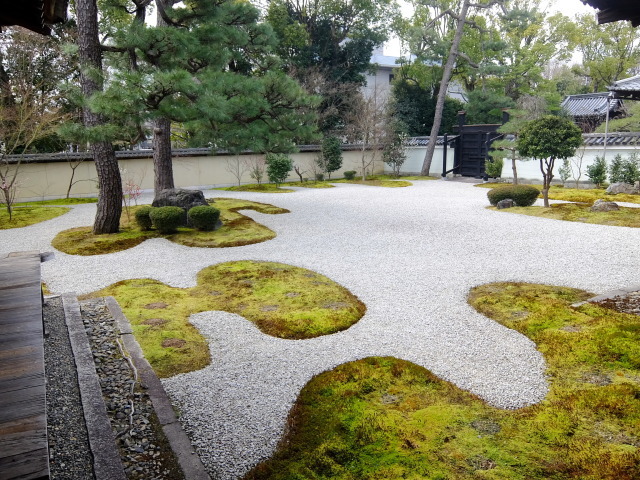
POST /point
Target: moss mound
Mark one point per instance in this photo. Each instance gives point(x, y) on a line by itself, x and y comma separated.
point(237, 230)
point(281, 300)
point(384, 418)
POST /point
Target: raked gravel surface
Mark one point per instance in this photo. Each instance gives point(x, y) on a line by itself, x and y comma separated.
point(410, 254)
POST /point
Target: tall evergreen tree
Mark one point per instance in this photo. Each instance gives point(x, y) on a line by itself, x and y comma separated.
point(208, 65)
point(327, 45)
point(110, 185)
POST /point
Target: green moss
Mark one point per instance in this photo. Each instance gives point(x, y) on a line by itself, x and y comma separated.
point(310, 184)
point(25, 216)
point(573, 212)
point(255, 187)
point(60, 201)
point(579, 195)
point(402, 177)
point(282, 300)
point(376, 181)
point(384, 418)
point(236, 230)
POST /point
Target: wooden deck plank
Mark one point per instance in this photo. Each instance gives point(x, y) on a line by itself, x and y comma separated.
point(31, 466)
point(23, 424)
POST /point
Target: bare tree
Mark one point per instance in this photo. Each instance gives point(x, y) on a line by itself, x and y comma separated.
point(299, 171)
point(236, 167)
point(256, 165)
point(576, 165)
point(367, 128)
point(461, 18)
point(29, 110)
point(74, 163)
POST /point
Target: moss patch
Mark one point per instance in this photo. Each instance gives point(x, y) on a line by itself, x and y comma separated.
point(376, 181)
point(281, 300)
point(25, 216)
point(257, 187)
point(579, 195)
point(60, 201)
point(236, 230)
point(573, 212)
point(384, 418)
point(310, 184)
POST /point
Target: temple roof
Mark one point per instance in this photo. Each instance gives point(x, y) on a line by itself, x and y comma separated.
point(34, 15)
point(590, 105)
point(627, 88)
point(616, 10)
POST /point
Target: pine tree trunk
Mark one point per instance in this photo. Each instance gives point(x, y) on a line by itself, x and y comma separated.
point(162, 163)
point(110, 185)
point(444, 85)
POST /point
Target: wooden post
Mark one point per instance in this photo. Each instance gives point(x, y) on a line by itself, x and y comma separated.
point(444, 156)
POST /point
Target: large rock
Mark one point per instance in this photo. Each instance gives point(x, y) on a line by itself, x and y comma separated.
point(604, 206)
point(622, 187)
point(506, 203)
point(180, 197)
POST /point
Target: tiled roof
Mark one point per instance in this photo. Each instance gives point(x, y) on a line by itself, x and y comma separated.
point(35, 15)
point(626, 85)
point(615, 139)
point(590, 139)
point(424, 141)
point(615, 10)
point(590, 105)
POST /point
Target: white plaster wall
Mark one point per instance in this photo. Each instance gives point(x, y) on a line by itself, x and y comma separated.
point(527, 170)
point(530, 170)
point(43, 181)
point(415, 157)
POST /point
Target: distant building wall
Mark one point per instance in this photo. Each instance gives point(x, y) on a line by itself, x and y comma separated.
point(623, 144)
point(43, 177)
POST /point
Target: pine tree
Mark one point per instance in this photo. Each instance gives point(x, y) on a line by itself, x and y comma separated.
point(209, 66)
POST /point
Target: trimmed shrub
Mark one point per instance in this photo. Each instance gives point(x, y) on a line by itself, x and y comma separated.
point(493, 168)
point(319, 177)
point(203, 217)
point(278, 167)
point(350, 174)
point(142, 217)
point(522, 195)
point(597, 171)
point(166, 219)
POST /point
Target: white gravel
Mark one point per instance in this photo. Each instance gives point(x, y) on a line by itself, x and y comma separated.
point(410, 254)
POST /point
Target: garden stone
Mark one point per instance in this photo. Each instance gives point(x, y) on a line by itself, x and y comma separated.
point(180, 197)
point(604, 206)
point(622, 187)
point(506, 203)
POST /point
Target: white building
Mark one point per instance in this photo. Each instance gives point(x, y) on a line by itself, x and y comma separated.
point(379, 81)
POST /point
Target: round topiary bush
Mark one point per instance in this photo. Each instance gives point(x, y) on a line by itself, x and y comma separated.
point(166, 219)
point(203, 217)
point(350, 174)
point(142, 217)
point(522, 195)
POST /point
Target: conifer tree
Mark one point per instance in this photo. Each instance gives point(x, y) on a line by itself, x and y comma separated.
point(209, 66)
point(110, 185)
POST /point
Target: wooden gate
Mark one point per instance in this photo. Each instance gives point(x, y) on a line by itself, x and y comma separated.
point(472, 146)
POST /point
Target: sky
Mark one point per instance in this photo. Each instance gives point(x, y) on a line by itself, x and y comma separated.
point(566, 7)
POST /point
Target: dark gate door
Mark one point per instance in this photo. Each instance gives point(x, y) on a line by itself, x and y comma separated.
point(472, 147)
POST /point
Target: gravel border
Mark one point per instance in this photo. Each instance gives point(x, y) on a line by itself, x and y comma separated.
point(69, 451)
point(189, 461)
point(107, 464)
point(410, 254)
